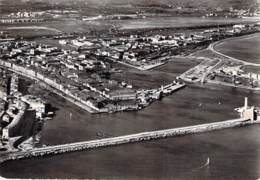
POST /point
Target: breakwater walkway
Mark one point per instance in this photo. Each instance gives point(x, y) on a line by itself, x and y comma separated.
point(127, 139)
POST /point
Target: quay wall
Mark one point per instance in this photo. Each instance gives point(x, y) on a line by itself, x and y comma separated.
point(59, 89)
point(127, 139)
point(22, 123)
point(65, 93)
point(20, 20)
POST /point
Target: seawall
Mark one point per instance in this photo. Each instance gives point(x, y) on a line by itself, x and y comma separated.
point(127, 139)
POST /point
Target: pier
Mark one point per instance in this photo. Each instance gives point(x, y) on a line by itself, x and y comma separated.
point(126, 139)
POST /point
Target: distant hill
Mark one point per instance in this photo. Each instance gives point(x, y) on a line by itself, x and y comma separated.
point(192, 3)
point(10, 5)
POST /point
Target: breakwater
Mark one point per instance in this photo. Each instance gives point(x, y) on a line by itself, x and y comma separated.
point(127, 139)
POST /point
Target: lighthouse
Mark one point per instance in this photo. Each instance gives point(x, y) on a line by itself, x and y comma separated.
point(248, 112)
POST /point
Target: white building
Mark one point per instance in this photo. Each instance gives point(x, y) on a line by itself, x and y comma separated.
point(36, 104)
point(81, 43)
point(5, 134)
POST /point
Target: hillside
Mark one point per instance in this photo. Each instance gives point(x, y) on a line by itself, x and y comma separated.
point(185, 3)
point(117, 6)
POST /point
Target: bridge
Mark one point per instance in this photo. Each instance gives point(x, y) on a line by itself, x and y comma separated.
point(127, 139)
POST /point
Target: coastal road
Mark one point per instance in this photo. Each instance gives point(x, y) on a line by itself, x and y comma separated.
point(213, 49)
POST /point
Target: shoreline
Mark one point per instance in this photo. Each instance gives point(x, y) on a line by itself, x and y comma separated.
point(74, 101)
point(210, 23)
point(212, 47)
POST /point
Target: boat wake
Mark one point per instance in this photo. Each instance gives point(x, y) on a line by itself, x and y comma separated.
point(206, 164)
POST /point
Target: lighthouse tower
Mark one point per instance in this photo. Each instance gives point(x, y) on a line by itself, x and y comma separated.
point(248, 112)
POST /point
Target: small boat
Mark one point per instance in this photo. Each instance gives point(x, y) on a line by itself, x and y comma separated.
point(207, 162)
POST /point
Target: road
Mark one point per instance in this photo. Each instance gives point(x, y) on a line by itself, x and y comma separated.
point(54, 90)
point(208, 69)
point(213, 45)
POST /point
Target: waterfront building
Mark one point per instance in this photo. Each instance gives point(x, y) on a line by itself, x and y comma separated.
point(20, 20)
point(249, 112)
point(123, 94)
point(36, 104)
